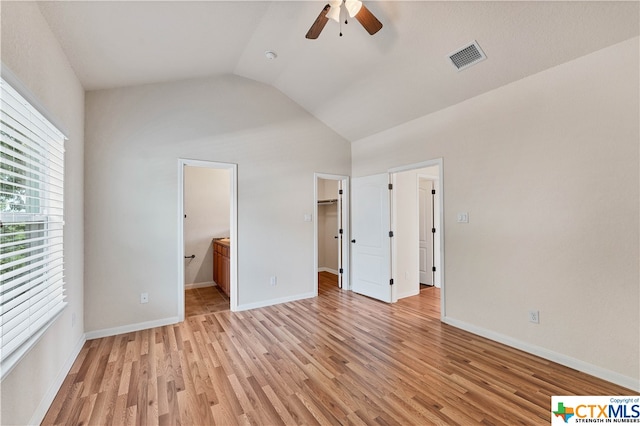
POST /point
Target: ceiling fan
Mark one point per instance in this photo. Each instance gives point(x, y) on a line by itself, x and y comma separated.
point(355, 9)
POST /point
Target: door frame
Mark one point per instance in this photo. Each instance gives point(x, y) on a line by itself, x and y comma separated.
point(439, 225)
point(346, 267)
point(233, 229)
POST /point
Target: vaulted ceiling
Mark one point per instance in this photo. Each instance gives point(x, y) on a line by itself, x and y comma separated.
point(357, 84)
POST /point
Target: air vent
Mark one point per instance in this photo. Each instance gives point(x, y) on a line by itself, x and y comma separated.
point(466, 56)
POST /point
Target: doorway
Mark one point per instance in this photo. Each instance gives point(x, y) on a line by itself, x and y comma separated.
point(208, 237)
point(417, 257)
point(331, 251)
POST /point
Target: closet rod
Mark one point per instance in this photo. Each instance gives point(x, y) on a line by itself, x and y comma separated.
point(328, 201)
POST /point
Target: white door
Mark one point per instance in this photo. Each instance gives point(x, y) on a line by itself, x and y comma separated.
point(425, 229)
point(371, 244)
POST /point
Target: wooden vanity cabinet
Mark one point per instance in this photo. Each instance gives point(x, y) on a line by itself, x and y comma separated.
point(221, 265)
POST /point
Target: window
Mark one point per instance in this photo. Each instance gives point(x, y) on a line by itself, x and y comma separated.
point(31, 225)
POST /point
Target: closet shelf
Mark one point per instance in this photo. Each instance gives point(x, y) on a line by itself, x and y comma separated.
point(323, 202)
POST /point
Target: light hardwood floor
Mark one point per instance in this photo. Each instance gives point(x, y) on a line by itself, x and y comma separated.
point(204, 300)
point(340, 358)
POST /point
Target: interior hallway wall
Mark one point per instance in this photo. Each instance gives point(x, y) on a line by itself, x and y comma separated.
point(547, 168)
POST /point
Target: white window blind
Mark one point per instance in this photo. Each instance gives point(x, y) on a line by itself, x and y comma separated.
point(31, 231)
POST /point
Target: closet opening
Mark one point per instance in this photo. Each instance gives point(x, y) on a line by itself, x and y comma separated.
point(331, 232)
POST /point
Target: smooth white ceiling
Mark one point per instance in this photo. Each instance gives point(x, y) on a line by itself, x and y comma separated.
point(356, 84)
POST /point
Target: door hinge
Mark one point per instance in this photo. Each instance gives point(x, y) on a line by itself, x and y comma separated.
point(433, 230)
point(390, 234)
point(341, 270)
point(390, 186)
point(340, 231)
point(433, 269)
point(433, 192)
point(391, 281)
point(340, 191)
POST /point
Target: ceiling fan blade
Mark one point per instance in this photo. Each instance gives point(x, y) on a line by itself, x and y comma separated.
point(368, 21)
point(319, 24)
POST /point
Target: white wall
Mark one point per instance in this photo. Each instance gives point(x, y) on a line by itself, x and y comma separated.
point(31, 52)
point(327, 189)
point(134, 137)
point(206, 206)
point(547, 168)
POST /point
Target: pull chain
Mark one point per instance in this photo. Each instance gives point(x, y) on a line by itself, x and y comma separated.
point(345, 22)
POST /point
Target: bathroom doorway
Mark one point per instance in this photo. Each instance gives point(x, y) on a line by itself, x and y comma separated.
point(208, 236)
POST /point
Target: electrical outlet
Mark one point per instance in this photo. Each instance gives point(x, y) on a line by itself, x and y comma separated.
point(273, 280)
point(144, 297)
point(534, 317)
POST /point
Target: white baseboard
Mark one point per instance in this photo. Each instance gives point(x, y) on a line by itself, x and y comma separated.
point(576, 364)
point(49, 396)
point(325, 269)
point(200, 285)
point(271, 302)
point(131, 327)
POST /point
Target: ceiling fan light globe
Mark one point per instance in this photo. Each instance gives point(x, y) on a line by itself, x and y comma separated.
point(334, 13)
point(353, 7)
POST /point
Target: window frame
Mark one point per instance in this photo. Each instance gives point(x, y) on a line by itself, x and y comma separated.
point(45, 244)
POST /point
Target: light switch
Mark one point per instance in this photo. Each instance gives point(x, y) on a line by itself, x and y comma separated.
point(307, 218)
point(463, 217)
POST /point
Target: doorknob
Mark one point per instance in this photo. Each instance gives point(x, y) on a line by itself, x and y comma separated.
point(353, 241)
